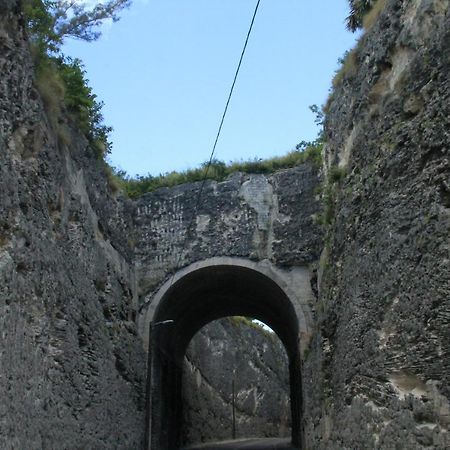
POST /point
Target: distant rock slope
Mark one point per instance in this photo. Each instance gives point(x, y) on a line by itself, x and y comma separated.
point(257, 360)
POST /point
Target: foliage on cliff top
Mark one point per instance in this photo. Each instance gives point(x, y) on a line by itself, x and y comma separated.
point(358, 9)
point(62, 80)
point(218, 170)
point(305, 151)
point(363, 14)
point(251, 323)
point(50, 22)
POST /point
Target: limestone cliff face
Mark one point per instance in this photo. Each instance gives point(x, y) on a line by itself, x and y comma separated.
point(257, 360)
point(377, 375)
point(71, 364)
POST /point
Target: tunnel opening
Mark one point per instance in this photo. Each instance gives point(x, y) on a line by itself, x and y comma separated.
point(235, 383)
point(187, 305)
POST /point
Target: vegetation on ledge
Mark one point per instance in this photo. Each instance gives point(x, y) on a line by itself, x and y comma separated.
point(239, 321)
point(218, 170)
point(61, 80)
point(65, 89)
point(305, 151)
point(359, 9)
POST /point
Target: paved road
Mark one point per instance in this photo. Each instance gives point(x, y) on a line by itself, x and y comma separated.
point(247, 444)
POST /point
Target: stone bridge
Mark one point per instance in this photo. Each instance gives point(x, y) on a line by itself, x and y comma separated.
point(247, 250)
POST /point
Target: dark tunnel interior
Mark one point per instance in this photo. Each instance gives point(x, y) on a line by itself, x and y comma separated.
point(193, 301)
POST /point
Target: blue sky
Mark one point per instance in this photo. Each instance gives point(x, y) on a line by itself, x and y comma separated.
point(165, 69)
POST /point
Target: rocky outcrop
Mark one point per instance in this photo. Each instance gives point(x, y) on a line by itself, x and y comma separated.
point(71, 364)
point(256, 359)
point(377, 375)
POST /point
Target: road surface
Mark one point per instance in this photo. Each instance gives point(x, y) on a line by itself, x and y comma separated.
point(246, 444)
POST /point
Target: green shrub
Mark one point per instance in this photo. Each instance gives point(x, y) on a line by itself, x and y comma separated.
point(61, 80)
point(82, 104)
point(336, 174)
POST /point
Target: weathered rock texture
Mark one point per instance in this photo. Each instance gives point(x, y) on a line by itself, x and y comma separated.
point(248, 216)
point(377, 375)
point(257, 360)
point(71, 364)
point(377, 371)
point(72, 367)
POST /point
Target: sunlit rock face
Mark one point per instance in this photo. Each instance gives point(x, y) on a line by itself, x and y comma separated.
point(226, 350)
point(377, 375)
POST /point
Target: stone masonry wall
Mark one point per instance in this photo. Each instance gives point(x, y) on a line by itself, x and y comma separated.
point(72, 368)
point(377, 375)
point(257, 360)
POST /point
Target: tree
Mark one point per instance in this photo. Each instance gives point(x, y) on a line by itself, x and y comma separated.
point(358, 9)
point(51, 21)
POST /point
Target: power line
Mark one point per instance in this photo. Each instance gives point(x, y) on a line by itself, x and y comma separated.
point(223, 119)
point(211, 157)
point(232, 86)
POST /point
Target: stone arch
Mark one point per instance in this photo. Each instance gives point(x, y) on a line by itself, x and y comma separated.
point(206, 291)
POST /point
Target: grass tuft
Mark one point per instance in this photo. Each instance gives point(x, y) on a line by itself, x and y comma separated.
point(348, 67)
point(52, 90)
point(114, 181)
point(249, 322)
point(63, 133)
point(337, 174)
point(371, 17)
point(218, 171)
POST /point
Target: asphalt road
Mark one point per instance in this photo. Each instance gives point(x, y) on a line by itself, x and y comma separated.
point(247, 444)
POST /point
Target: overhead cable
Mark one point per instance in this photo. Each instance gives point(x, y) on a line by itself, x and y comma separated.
point(213, 151)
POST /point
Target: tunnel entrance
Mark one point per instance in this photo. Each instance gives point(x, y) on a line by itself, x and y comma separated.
point(235, 384)
point(189, 303)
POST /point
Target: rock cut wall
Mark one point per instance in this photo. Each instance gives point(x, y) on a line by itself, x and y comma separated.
point(256, 359)
point(72, 367)
point(71, 364)
point(377, 372)
point(377, 375)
